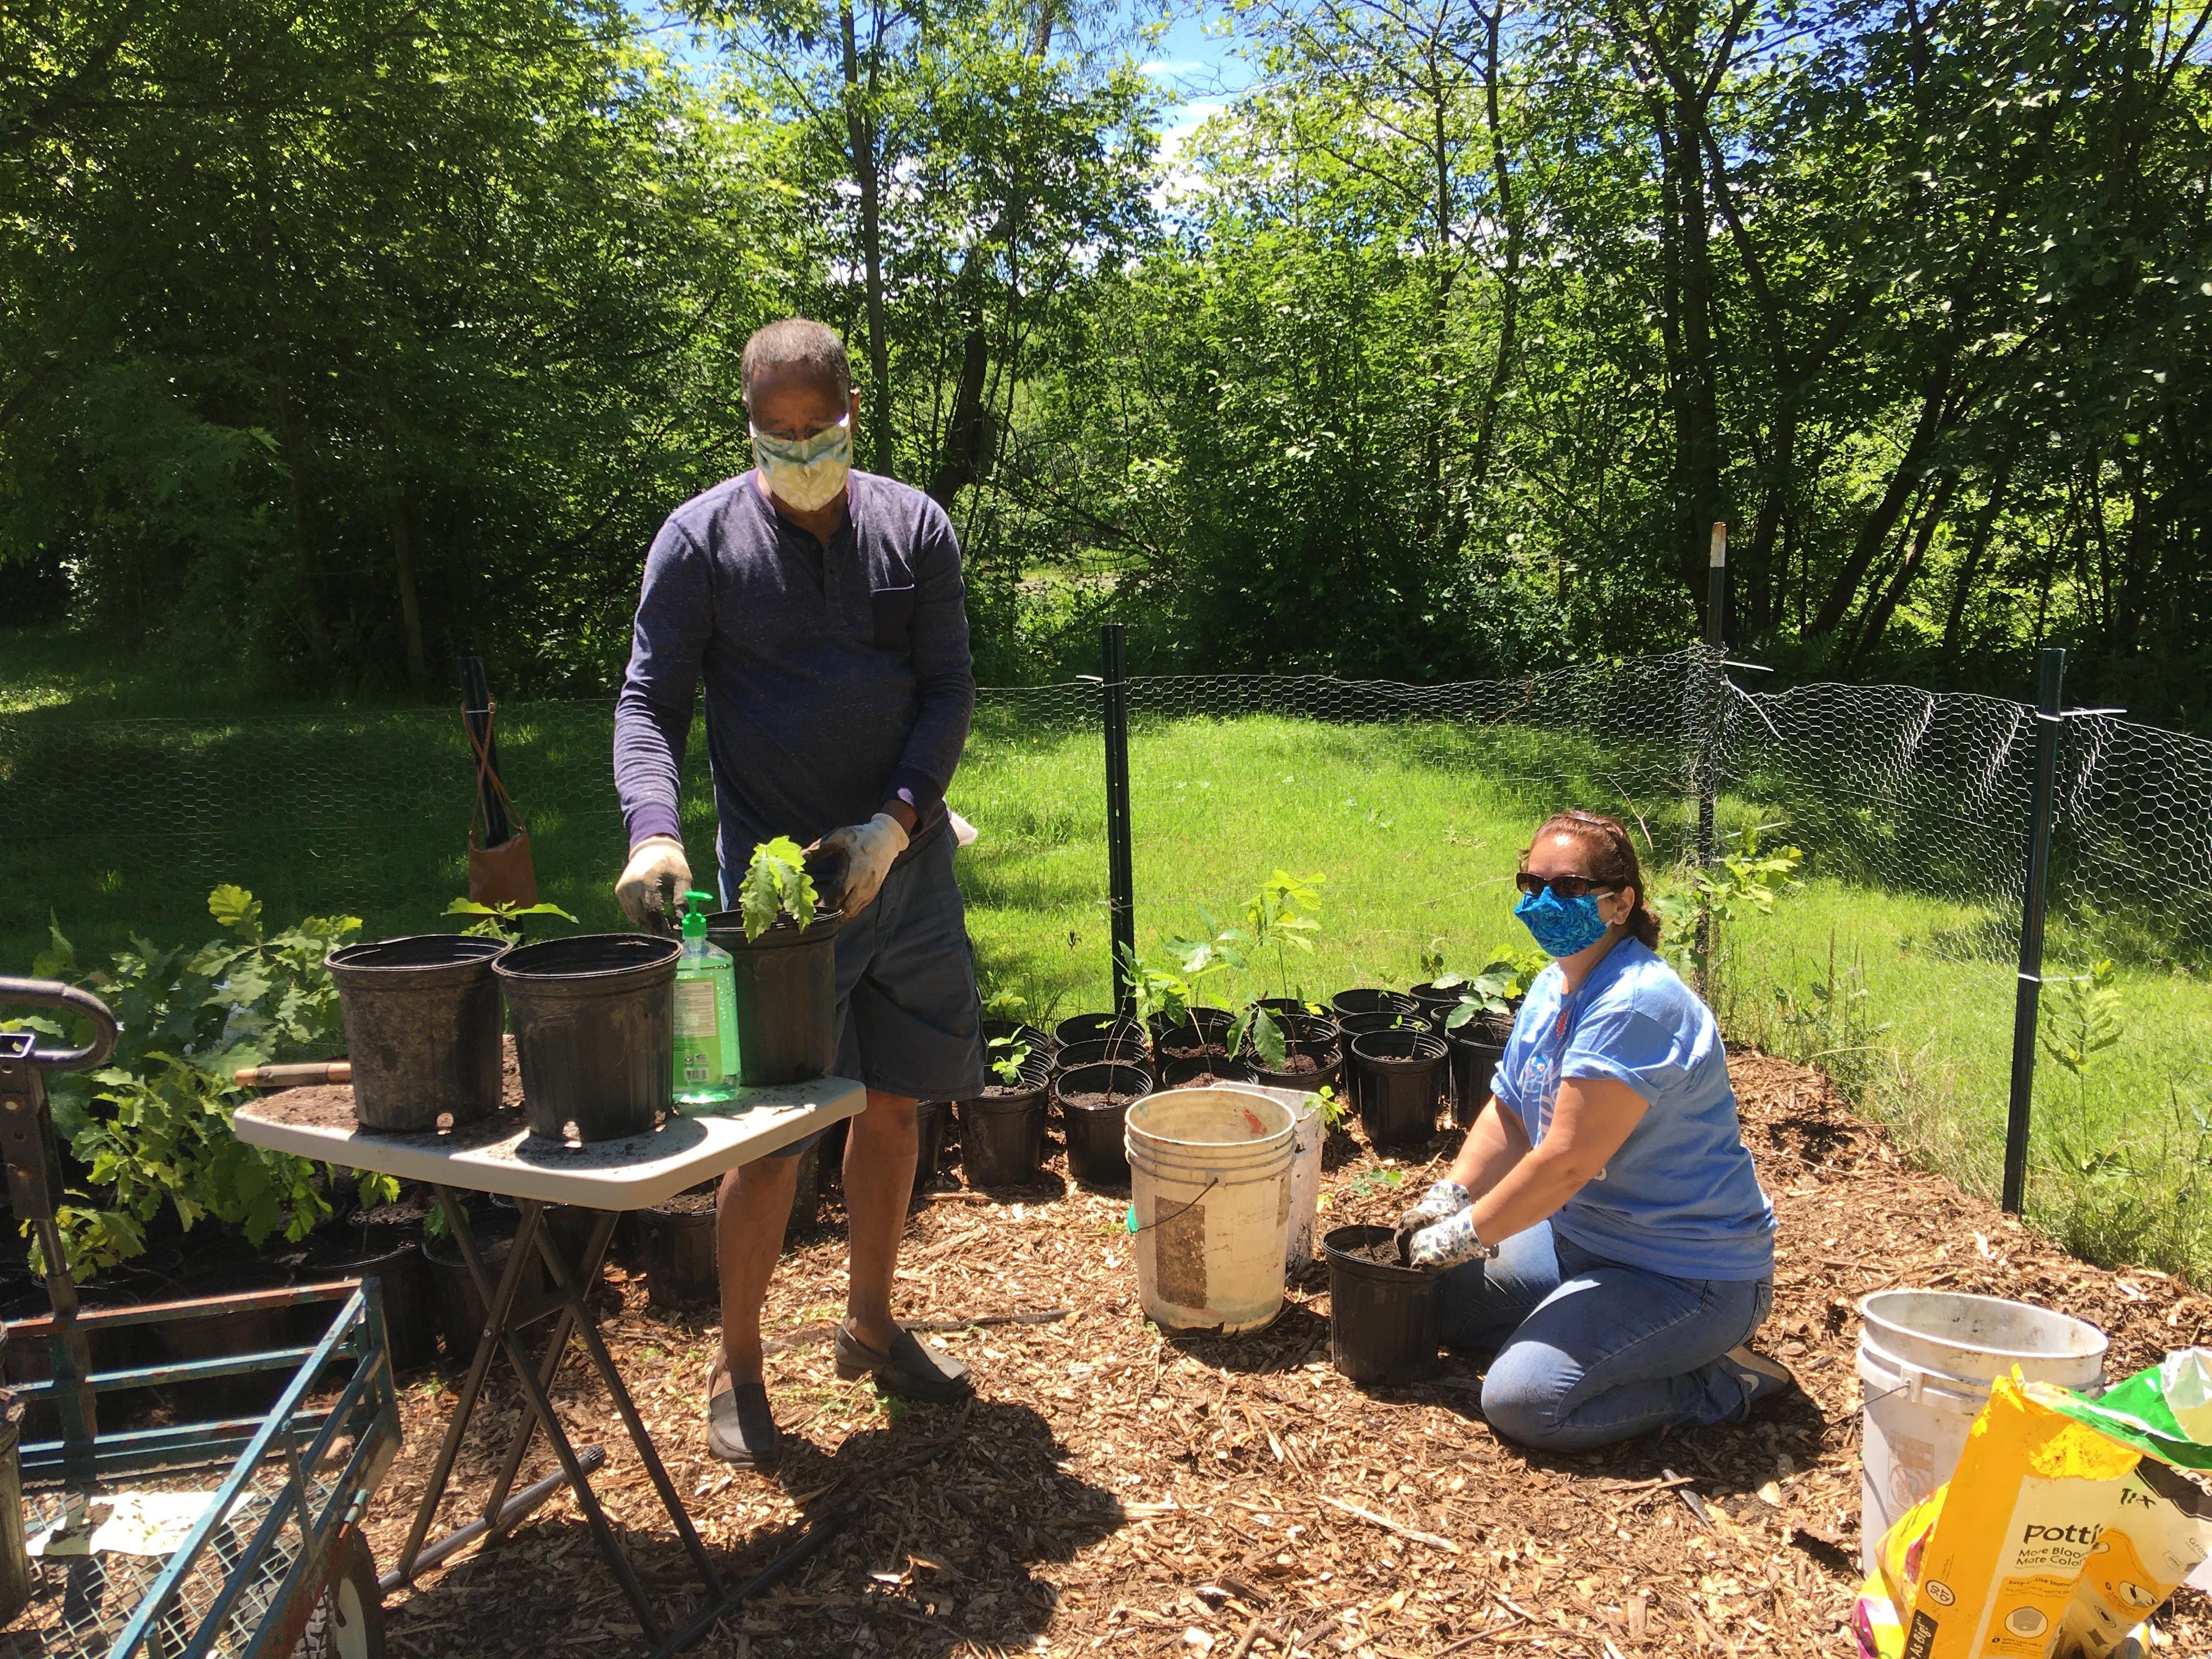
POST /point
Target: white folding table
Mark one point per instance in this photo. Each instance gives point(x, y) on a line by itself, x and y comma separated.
point(499, 1155)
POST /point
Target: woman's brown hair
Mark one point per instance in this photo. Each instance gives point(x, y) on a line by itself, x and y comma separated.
point(1609, 856)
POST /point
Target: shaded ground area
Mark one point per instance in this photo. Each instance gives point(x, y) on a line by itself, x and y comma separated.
point(1114, 1492)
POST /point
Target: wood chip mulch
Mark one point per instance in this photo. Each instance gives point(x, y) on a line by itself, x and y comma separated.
point(1113, 1491)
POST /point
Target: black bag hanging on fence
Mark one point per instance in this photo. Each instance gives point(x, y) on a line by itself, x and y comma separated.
point(501, 874)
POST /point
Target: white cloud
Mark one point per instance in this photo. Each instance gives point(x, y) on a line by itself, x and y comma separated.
point(1174, 66)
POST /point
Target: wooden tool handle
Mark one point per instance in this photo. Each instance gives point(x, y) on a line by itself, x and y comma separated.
point(291, 1077)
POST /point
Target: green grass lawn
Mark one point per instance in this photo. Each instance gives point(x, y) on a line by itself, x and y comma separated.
point(1413, 830)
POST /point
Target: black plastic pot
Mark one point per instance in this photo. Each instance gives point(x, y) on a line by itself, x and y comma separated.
point(393, 1257)
point(930, 1120)
point(1473, 1062)
point(1002, 1136)
point(1202, 1030)
point(460, 1312)
point(1183, 1074)
point(1123, 1047)
point(1095, 1151)
point(786, 982)
point(15, 1561)
point(1039, 1039)
point(1358, 1025)
point(1435, 1001)
point(679, 1250)
point(1381, 1319)
point(1316, 1028)
point(1088, 1028)
point(1294, 1008)
point(1402, 1077)
point(1328, 1068)
point(1366, 1001)
point(593, 1030)
point(225, 1336)
point(423, 1025)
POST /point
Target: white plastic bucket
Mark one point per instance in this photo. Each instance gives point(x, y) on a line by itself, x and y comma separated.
point(1925, 1363)
point(1310, 1135)
point(1210, 1181)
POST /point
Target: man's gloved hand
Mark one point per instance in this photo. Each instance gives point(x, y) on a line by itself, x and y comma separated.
point(868, 850)
point(654, 883)
point(1448, 1244)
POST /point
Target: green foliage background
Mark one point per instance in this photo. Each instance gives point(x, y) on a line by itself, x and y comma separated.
point(335, 339)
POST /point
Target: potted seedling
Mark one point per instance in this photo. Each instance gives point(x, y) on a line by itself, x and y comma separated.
point(1277, 921)
point(1475, 1027)
point(1005, 1014)
point(783, 952)
point(1002, 1129)
point(1184, 1031)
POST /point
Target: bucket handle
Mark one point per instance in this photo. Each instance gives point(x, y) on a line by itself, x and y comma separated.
point(1162, 1221)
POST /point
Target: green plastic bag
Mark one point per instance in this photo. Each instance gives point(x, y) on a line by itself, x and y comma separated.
point(2164, 1410)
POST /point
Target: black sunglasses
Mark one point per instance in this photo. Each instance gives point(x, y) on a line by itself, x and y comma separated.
point(1567, 887)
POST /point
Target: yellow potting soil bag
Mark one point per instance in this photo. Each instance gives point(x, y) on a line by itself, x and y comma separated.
point(1985, 1567)
point(2161, 1534)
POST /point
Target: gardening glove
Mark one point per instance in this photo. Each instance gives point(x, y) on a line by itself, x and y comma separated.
point(654, 883)
point(1448, 1244)
point(868, 851)
point(1443, 1198)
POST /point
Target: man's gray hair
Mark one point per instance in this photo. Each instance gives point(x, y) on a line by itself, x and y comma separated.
point(797, 344)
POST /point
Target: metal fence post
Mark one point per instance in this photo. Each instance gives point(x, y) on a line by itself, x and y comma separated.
point(1120, 900)
point(1709, 760)
point(2027, 1003)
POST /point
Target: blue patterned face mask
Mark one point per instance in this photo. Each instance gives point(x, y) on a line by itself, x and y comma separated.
point(1561, 926)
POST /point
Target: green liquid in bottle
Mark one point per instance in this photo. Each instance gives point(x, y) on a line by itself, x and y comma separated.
point(706, 1023)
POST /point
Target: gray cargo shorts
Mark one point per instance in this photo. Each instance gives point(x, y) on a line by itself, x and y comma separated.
point(909, 1020)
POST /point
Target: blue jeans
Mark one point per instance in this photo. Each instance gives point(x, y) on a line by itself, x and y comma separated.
point(1590, 1352)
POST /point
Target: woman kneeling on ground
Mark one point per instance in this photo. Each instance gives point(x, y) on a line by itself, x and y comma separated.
point(1603, 1228)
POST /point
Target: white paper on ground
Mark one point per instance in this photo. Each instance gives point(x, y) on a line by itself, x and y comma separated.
point(135, 1523)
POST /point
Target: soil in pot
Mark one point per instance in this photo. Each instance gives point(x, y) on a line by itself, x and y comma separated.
point(1123, 1048)
point(1402, 1078)
point(593, 1030)
point(1203, 1072)
point(1366, 1000)
point(1094, 1106)
point(680, 1254)
point(1310, 1067)
point(1382, 1316)
point(422, 1021)
point(1203, 1031)
point(786, 985)
point(393, 1257)
point(1002, 1133)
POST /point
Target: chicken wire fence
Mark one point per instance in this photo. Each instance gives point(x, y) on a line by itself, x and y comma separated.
point(1911, 810)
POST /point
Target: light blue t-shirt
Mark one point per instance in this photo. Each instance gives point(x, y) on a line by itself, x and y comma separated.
point(1681, 1197)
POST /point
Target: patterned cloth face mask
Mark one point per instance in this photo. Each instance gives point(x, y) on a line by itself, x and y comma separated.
point(1561, 926)
point(806, 473)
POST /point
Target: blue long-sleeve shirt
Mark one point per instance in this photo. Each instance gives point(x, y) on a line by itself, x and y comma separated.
point(837, 677)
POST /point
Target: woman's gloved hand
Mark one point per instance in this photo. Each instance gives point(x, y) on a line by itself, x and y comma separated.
point(1448, 1244)
point(653, 883)
point(868, 851)
point(1443, 1198)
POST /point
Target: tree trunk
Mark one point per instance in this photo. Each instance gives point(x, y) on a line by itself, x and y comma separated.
point(968, 435)
point(1970, 567)
point(1509, 278)
point(1877, 623)
point(410, 603)
point(1873, 534)
point(1697, 409)
point(860, 143)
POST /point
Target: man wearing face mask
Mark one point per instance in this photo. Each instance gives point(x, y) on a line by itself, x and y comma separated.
point(823, 610)
point(1602, 1229)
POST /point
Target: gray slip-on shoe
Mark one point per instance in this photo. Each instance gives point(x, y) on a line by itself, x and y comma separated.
point(910, 1370)
point(741, 1430)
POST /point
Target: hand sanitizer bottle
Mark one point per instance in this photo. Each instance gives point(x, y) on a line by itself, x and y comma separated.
point(706, 1015)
